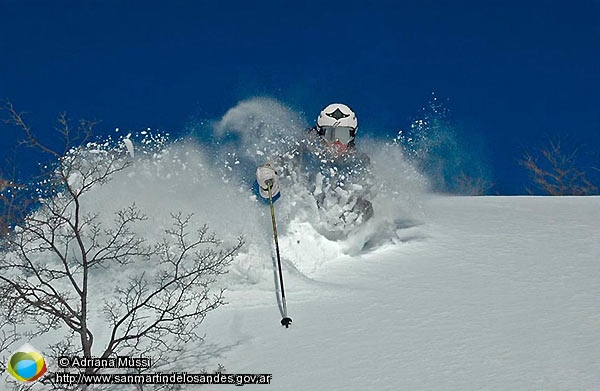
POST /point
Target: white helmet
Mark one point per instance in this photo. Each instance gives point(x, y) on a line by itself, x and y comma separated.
point(337, 126)
point(337, 114)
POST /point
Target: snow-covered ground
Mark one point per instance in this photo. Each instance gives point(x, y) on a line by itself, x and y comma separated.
point(490, 293)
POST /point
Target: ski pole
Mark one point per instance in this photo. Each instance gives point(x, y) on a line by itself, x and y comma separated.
point(285, 321)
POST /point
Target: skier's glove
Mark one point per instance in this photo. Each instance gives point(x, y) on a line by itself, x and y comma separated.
point(267, 174)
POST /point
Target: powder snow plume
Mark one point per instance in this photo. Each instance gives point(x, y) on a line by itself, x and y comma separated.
point(259, 130)
point(451, 164)
point(210, 174)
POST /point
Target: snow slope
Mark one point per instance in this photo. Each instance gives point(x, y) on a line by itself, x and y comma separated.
point(433, 293)
point(494, 293)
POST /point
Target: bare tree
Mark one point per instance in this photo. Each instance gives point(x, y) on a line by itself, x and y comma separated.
point(555, 171)
point(61, 253)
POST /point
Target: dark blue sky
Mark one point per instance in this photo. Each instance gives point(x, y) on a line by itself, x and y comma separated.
point(510, 72)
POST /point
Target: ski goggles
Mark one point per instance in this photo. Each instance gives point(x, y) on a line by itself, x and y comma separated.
point(343, 134)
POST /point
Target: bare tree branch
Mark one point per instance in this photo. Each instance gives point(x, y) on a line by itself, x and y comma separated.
point(16, 118)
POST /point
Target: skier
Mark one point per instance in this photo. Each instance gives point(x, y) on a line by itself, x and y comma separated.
point(337, 172)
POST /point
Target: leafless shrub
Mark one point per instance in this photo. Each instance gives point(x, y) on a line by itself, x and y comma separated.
point(55, 260)
point(467, 185)
point(554, 171)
